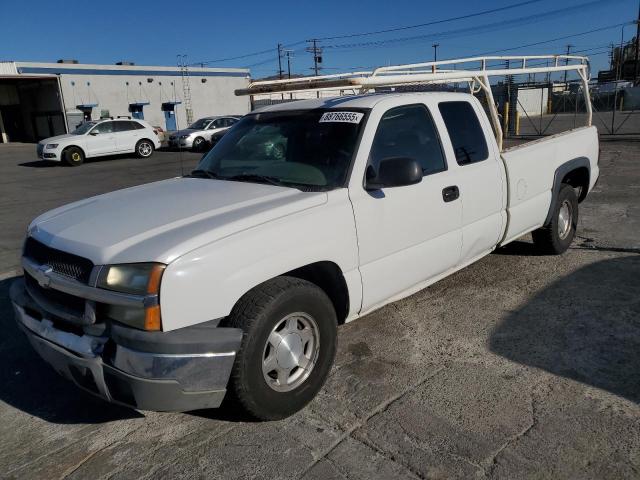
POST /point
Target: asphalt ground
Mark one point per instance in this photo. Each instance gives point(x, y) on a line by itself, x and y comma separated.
point(518, 366)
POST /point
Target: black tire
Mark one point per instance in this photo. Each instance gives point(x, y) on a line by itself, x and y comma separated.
point(198, 144)
point(144, 148)
point(553, 239)
point(73, 156)
point(257, 313)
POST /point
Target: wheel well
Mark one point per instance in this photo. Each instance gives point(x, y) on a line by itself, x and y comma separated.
point(578, 178)
point(147, 139)
point(328, 276)
point(74, 146)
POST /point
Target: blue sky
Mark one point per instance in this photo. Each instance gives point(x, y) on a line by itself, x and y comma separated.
point(153, 33)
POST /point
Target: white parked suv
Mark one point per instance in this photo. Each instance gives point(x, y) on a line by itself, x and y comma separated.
point(306, 215)
point(98, 138)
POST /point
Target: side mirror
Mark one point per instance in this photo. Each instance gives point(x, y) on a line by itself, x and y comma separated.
point(93, 132)
point(394, 172)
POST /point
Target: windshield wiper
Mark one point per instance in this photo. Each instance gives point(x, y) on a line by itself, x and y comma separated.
point(257, 178)
point(204, 173)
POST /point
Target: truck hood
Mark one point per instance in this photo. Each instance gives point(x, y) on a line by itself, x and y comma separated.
point(162, 221)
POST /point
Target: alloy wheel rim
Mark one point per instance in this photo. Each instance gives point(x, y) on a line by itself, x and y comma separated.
point(75, 156)
point(290, 352)
point(565, 218)
point(144, 149)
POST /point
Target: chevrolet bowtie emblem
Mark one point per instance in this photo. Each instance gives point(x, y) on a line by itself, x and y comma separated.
point(43, 278)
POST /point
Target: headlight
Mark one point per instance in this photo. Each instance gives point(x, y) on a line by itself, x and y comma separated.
point(50, 146)
point(137, 279)
point(184, 136)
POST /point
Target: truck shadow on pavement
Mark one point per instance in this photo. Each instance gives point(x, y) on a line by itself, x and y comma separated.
point(29, 384)
point(585, 327)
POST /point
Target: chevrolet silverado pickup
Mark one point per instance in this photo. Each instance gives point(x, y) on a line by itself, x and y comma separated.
point(232, 280)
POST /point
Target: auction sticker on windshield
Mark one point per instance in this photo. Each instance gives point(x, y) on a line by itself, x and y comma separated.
point(343, 117)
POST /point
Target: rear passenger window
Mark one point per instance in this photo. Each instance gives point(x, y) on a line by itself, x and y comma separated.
point(120, 126)
point(136, 126)
point(465, 132)
point(408, 131)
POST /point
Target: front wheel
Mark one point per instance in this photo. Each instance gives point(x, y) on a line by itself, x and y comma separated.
point(555, 237)
point(198, 144)
point(73, 156)
point(288, 347)
point(144, 148)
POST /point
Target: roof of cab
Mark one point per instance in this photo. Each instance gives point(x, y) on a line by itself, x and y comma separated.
point(352, 101)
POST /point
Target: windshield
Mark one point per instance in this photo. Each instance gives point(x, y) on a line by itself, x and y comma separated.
point(201, 124)
point(302, 148)
point(84, 128)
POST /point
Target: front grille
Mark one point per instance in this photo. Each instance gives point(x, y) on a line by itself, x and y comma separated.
point(55, 301)
point(63, 263)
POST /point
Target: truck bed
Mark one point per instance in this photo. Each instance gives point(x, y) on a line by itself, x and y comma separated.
point(531, 169)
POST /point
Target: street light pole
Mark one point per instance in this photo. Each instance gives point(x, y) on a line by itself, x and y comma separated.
point(435, 51)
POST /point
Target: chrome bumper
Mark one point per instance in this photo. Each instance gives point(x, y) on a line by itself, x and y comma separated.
point(131, 367)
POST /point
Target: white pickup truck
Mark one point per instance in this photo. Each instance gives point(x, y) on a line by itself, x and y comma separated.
point(232, 280)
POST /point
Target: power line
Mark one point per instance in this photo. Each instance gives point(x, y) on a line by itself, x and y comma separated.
point(407, 27)
point(435, 22)
point(564, 37)
point(247, 55)
point(489, 27)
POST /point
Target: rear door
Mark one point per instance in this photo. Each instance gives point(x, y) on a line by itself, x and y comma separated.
point(101, 140)
point(480, 176)
point(408, 235)
point(127, 134)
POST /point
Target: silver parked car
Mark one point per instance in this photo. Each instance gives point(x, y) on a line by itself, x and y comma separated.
point(199, 133)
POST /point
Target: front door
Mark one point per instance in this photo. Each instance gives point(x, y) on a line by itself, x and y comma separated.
point(101, 140)
point(407, 235)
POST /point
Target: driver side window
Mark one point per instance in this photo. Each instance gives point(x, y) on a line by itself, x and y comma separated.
point(408, 131)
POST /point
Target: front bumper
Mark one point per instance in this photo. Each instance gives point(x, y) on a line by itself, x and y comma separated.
point(186, 369)
point(48, 154)
point(180, 142)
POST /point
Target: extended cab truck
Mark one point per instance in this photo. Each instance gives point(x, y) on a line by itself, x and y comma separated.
point(233, 279)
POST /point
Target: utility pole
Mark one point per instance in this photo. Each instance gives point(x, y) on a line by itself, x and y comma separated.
point(317, 55)
point(566, 62)
point(435, 51)
point(635, 63)
point(288, 54)
point(280, 61)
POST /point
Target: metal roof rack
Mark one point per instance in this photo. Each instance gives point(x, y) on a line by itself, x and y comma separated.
point(474, 70)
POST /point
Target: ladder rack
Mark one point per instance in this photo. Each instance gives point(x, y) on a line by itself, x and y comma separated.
point(477, 71)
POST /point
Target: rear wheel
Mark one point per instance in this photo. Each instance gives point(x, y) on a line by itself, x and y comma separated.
point(73, 156)
point(288, 347)
point(144, 148)
point(555, 237)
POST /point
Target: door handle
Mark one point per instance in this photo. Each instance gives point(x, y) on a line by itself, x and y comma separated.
point(449, 194)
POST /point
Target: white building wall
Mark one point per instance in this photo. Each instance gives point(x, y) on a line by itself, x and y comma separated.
point(115, 87)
